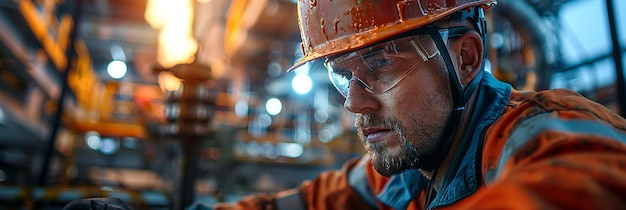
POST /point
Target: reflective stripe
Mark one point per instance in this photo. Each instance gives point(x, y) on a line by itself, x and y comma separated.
point(534, 126)
point(357, 178)
point(290, 201)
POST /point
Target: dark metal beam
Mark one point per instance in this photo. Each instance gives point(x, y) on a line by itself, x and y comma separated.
point(70, 53)
point(617, 57)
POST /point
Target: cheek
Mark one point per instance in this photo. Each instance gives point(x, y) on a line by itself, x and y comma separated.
point(424, 94)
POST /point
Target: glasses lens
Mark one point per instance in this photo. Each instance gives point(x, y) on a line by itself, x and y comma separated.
point(380, 67)
point(339, 76)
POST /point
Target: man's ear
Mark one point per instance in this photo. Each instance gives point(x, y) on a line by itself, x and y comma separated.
point(470, 55)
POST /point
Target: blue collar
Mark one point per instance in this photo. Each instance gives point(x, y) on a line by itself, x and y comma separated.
point(401, 189)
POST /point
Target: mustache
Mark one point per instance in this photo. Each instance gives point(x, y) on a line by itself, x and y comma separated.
point(370, 120)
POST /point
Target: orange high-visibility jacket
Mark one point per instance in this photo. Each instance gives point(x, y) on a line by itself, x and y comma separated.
point(523, 150)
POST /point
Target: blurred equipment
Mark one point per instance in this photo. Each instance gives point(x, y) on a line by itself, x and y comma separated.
point(189, 109)
point(523, 42)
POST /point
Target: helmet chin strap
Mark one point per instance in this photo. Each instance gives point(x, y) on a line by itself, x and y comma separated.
point(460, 94)
point(455, 85)
point(458, 102)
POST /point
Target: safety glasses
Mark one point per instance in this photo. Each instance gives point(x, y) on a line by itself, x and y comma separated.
point(380, 67)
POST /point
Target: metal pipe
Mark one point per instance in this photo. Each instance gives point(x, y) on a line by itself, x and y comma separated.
point(617, 57)
point(191, 152)
point(587, 62)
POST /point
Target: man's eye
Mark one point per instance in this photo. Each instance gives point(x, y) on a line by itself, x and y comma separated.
point(342, 73)
point(379, 63)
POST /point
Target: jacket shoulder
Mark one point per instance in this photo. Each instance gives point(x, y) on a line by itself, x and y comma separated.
point(537, 113)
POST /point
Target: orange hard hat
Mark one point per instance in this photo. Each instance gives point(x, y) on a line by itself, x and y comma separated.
point(330, 27)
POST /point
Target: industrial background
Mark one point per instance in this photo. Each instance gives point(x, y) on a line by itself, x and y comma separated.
point(164, 103)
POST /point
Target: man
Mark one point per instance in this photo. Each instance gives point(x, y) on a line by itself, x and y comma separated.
point(439, 131)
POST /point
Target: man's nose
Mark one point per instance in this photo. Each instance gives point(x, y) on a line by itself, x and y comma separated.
point(359, 100)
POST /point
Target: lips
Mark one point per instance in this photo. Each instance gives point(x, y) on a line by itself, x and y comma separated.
point(374, 135)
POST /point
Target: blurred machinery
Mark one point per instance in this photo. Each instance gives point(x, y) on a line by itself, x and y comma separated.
point(123, 135)
point(189, 110)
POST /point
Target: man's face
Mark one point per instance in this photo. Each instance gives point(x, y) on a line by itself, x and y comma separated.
point(402, 127)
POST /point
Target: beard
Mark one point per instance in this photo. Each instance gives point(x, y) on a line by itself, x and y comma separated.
point(417, 149)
